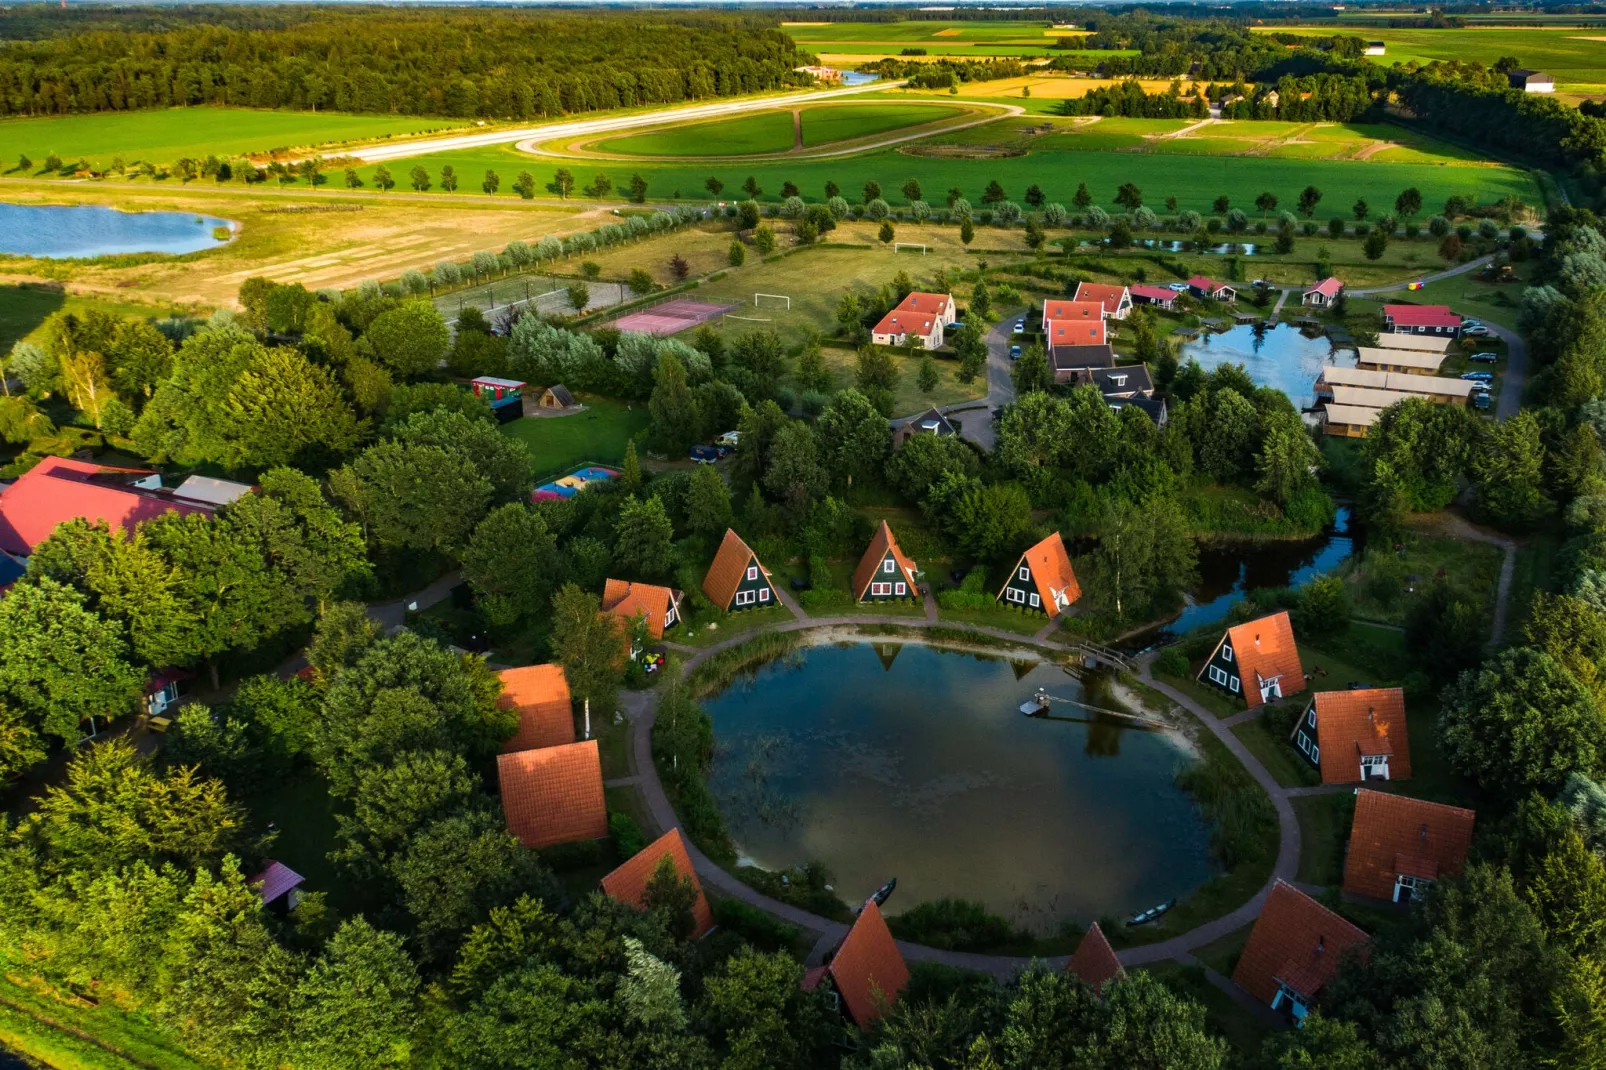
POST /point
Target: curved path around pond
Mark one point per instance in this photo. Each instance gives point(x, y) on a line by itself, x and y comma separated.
point(641, 707)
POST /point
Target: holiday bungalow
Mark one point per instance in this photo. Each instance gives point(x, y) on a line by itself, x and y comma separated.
point(1429, 387)
point(1153, 408)
point(1162, 296)
point(1348, 421)
point(1323, 293)
point(1042, 580)
point(1117, 300)
point(1094, 961)
point(867, 971)
point(553, 795)
point(1073, 323)
point(161, 692)
point(1068, 361)
point(920, 318)
point(1421, 319)
point(1257, 660)
point(658, 606)
point(884, 573)
point(628, 884)
point(1211, 290)
point(556, 396)
point(1294, 949)
point(1419, 343)
point(1402, 361)
point(1356, 735)
point(1531, 81)
point(1398, 846)
point(1127, 381)
point(279, 887)
point(736, 580)
point(930, 422)
point(59, 489)
point(539, 694)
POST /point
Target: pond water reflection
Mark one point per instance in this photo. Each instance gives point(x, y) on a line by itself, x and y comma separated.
point(58, 231)
point(1282, 357)
point(887, 759)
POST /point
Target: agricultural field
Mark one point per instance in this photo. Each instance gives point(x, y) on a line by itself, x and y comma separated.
point(1054, 87)
point(165, 135)
point(867, 41)
point(1574, 55)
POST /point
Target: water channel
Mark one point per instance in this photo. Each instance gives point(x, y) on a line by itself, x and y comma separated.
point(63, 231)
point(889, 759)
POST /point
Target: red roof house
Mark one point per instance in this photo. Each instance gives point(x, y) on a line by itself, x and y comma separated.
point(540, 694)
point(628, 883)
point(736, 579)
point(1398, 846)
point(1073, 323)
point(1258, 661)
point(58, 489)
point(1094, 961)
point(1321, 295)
point(627, 600)
point(1356, 735)
point(1117, 300)
point(553, 794)
point(1421, 319)
point(1201, 286)
point(1293, 951)
point(884, 571)
point(1042, 579)
point(920, 315)
point(1154, 295)
point(868, 969)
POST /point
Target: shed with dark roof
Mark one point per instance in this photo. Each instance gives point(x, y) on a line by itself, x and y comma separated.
point(1398, 846)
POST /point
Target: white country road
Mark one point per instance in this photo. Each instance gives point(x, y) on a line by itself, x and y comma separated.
point(584, 127)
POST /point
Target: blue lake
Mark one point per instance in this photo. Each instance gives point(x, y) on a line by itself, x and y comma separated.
point(1280, 357)
point(900, 760)
point(61, 231)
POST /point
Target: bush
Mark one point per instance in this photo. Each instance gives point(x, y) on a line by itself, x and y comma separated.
point(1171, 662)
point(754, 925)
point(956, 925)
point(628, 839)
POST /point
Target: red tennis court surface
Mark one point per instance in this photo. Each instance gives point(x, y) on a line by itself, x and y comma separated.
point(669, 317)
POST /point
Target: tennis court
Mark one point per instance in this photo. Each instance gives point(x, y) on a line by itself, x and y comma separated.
point(670, 317)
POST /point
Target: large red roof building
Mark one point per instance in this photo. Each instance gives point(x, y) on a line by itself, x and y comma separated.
point(59, 489)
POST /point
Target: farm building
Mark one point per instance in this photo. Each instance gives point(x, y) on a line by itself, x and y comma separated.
point(884, 572)
point(736, 579)
point(1348, 421)
point(920, 317)
point(1154, 295)
point(1211, 290)
point(556, 397)
point(1351, 736)
point(627, 600)
point(1070, 361)
point(1398, 846)
point(278, 886)
point(505, 395)
point(1042, 579)
point(867, 971)
point(628, 883)
point(1294, 949)
point(930, 422)
point(553, 795)
point(1405, 361)
point(1094, 961)
point(1323, 293)
point(59, 489)
point(1531, 81)
point(1257, 660)
point(1421, 319)
point(1117, 300)
point(1420, 343)
point(540, 696)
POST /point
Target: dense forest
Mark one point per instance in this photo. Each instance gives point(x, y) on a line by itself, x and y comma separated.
point(501, 64)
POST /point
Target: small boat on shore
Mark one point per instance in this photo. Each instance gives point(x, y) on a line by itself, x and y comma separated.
point(880, 896)
point(1143, 917)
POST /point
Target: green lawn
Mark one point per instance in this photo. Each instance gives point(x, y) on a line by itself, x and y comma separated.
point(24, 307)
point(769, 131)
point(304, 812)
point(1324, 823)
point(55, 1033)
point(163, 136)
point(848, 122)
point(1274, 752)
point(597, 433)
point(1380, 580)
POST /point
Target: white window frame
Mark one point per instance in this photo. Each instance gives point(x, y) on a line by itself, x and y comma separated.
point(888, 565)
point(1226, 652)
point(1218, 676)
point(1415, 887)
point(763, 594)
point(1232, 682)
point(1025, 573)
point(1037, 602)
point(752, 572)
point(744, 598)
point(1310, 718)
point(901, 589)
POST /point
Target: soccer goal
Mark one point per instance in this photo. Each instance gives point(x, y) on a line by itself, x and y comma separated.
point(900, 246)
point(759, 299)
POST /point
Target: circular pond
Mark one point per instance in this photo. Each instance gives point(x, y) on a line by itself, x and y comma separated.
point(56, 231)
point(901, 760)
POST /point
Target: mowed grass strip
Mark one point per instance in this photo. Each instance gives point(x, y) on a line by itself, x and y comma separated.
point(165, 135)
point(849, 122)
point(769, 131)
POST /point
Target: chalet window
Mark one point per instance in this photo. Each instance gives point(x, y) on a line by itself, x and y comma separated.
point(1232, 682)
point(1226, 652)
point(888, 565)
point(752, 572)
point(763, 594)
point(1310, 718)
point(902, 589)
point(878, 588)
point(1025, 573)
point(1315, 754)
point(1218, 675)
point(744, 598)
point(1036, 602)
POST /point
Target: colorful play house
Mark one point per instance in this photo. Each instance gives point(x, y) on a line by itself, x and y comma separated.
point(505, 395)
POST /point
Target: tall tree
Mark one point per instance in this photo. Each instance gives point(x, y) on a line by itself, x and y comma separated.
point(63, 664)
point(590, 647)
point(855, 438)
point(511, 563)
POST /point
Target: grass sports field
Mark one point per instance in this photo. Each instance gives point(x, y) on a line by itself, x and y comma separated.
point(774, 132)
point(598, 433)
point(1574, 55)
point(166, 135)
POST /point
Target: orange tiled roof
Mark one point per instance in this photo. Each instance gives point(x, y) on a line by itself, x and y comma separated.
point(870, 564)
point(1296, 941)
point(1264, 648)
point(628, 883)
point(725, 574)
point(916, 314)
point(1073, 323)
point(541, 695)
point(1108, 296)
point(1095, 962)
point(1394, 834)
point(626, 599)
point(554, 794)
point(1350, 724)
point(1051, 571)
point(868, 967)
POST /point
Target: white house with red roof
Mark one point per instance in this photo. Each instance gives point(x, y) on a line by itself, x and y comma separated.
point(1323, 293)
point(1117, 300)
point(1073, 323)
point(1163, 296)
point(1421, 319)
point(59, 489)
point(919, 317)
point(1209, 289)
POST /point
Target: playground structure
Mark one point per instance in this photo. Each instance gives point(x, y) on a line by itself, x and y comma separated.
point(505, 395)
point(572, 484)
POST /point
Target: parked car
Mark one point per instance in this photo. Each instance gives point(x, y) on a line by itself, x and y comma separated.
point(1481, 400)
point(1479, 377)
point(1014, 352)
point(1020, 326)
point(729, 438)
point(1467, 321)
point(1475, 331)
point(704, 454)
point(1484, 358)
point(1177, 287)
